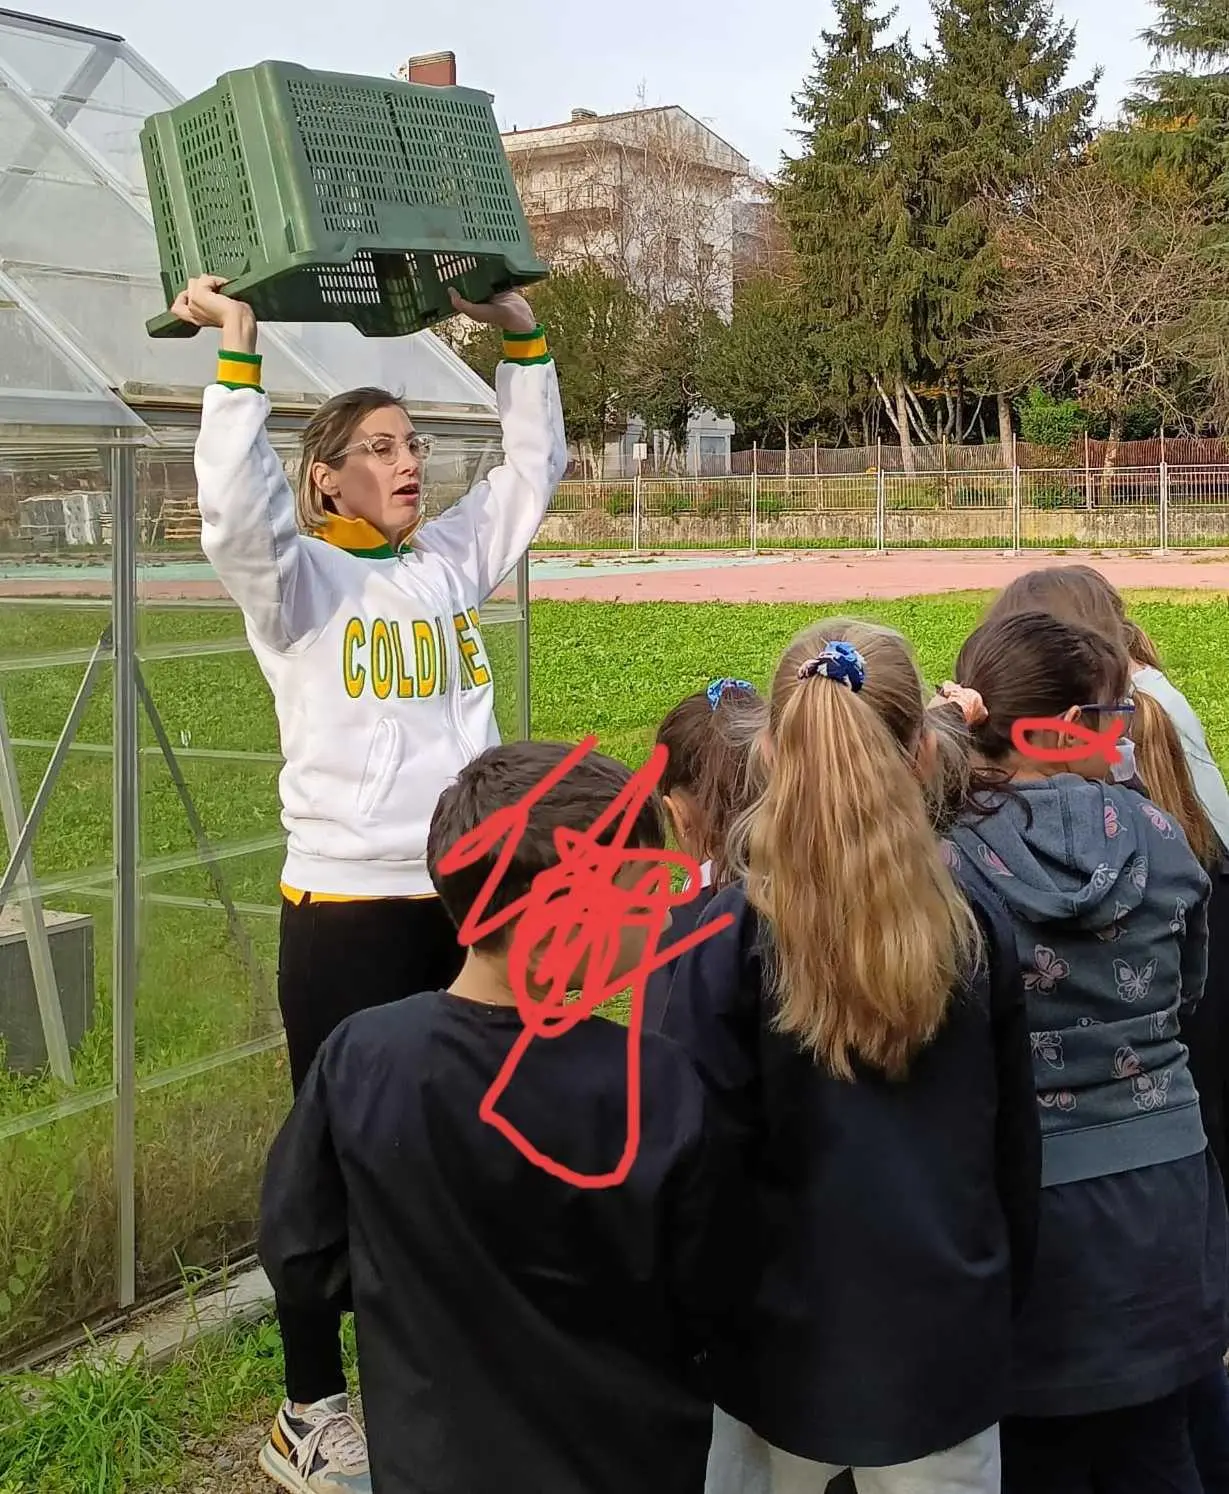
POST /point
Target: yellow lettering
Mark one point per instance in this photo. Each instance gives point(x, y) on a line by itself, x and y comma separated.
point(442, 640)
point(381, 660)
point(352, 671)
point(470, 651)
point(405, 680)
point(424, 653)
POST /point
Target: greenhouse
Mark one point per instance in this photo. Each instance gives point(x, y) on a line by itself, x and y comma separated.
point(142, 1072)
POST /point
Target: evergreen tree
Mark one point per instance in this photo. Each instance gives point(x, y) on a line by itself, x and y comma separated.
point(594, 322)
point(766, 370)
point(849, 210)
point(1178, 122)
point(996, 118)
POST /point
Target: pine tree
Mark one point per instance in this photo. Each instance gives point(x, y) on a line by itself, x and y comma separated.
point(996, 117)
point(766, 369)
point(849, 210)
point(1178, 122)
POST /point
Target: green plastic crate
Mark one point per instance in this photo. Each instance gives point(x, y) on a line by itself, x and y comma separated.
point(323, 197)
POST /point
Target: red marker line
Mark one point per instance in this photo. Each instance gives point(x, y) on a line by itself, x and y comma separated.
point(1088, 743)
point(574, 916)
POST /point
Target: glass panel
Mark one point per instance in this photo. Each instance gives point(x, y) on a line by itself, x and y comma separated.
point(116, 86)
point(503, 643)
point(46, 63)
point(29, 143)
point(208, 961)
point(31, 360)
point(45, 227)
point(116, 138)
point(201, 1148)
point(56, 927)
point(57, 1228)
point(211, 838)
point(106, 318)
point(56, 505)
point(420, 367)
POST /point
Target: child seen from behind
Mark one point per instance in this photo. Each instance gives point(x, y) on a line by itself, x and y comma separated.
point(517, 1332)
point(861, 1029)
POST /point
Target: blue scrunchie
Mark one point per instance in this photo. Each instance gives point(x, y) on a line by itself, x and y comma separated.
point(840, 662)
point(719, 687)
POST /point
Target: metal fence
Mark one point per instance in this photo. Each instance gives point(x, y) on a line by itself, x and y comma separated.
point(945, 458)
point(1136, 508)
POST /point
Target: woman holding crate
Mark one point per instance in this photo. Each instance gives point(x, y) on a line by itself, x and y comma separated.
point(364, 620)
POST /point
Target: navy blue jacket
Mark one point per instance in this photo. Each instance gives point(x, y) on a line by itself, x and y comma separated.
point(895, 1221)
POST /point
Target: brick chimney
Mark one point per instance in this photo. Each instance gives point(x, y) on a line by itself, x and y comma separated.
point(439, 69)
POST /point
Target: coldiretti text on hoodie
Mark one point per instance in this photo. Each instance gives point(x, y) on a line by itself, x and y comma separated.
point(384, 658)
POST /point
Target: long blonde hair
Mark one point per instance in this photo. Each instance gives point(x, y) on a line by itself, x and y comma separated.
point(870, 934)
point(1162, 766)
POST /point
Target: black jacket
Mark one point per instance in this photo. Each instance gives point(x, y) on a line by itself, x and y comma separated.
point(517, 1334)
point(896, 1221)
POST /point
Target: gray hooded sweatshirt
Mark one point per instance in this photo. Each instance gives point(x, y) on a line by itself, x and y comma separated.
point(1109, 908)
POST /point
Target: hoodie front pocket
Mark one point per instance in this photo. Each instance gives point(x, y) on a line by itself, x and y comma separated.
point(383, 760)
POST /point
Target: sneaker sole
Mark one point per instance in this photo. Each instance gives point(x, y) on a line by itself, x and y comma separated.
point(279, 1470)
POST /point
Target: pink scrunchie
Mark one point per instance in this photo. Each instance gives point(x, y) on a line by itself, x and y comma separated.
point(972, 706)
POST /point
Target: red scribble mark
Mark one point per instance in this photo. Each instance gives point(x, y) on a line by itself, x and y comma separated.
point(1088, 743)
point(573, 915)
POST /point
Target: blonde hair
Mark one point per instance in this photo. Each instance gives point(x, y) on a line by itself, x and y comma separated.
point(1140, 646)
point(870, 932)
point(1162, 766)
point(328, 432)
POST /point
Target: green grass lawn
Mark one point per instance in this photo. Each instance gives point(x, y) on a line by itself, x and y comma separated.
point(614, 670)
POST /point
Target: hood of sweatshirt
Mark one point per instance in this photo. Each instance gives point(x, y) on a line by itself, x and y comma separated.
point(1063, 850)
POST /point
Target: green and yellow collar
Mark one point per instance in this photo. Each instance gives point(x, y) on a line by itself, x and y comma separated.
point(356, 537)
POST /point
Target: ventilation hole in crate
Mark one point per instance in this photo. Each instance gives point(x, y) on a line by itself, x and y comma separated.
point(175, 266)
point(209, 176)
point(376, 145)
point(354, 284)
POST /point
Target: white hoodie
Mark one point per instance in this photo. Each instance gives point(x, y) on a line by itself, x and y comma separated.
point(379, 675)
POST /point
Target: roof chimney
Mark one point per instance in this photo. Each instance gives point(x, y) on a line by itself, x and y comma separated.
point(438, 69)
point(579, 114)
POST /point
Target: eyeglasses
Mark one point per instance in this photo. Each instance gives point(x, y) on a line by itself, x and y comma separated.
point(1123, 708)
point(386, 448)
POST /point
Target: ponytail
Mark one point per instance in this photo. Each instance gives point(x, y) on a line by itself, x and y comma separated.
point(870, 934)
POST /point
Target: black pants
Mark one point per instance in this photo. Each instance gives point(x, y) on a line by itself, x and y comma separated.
point(1208, 1400)
point(336, 959)
point(1138, 1450)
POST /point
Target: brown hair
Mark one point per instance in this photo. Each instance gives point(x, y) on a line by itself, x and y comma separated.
point(1073, 593)
point(709, 749)
point(501, 777)
point(1033, 664)
point(1077, 594)
point(1163, 768)
point(870, 933)
point(325, 434)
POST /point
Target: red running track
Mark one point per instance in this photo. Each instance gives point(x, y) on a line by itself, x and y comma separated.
point(834, 577)
point(843, 577)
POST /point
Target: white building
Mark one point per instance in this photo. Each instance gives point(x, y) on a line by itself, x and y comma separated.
point(650, 195)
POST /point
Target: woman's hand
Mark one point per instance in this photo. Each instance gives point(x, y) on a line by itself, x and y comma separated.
point(508, 311)
point(202, 304)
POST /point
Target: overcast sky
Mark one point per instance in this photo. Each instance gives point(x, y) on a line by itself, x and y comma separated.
point(733, 63)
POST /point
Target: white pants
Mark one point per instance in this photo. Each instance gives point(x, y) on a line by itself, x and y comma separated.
point(740, 1462)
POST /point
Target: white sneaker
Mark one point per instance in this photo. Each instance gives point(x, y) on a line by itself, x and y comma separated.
point(321, 1450)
